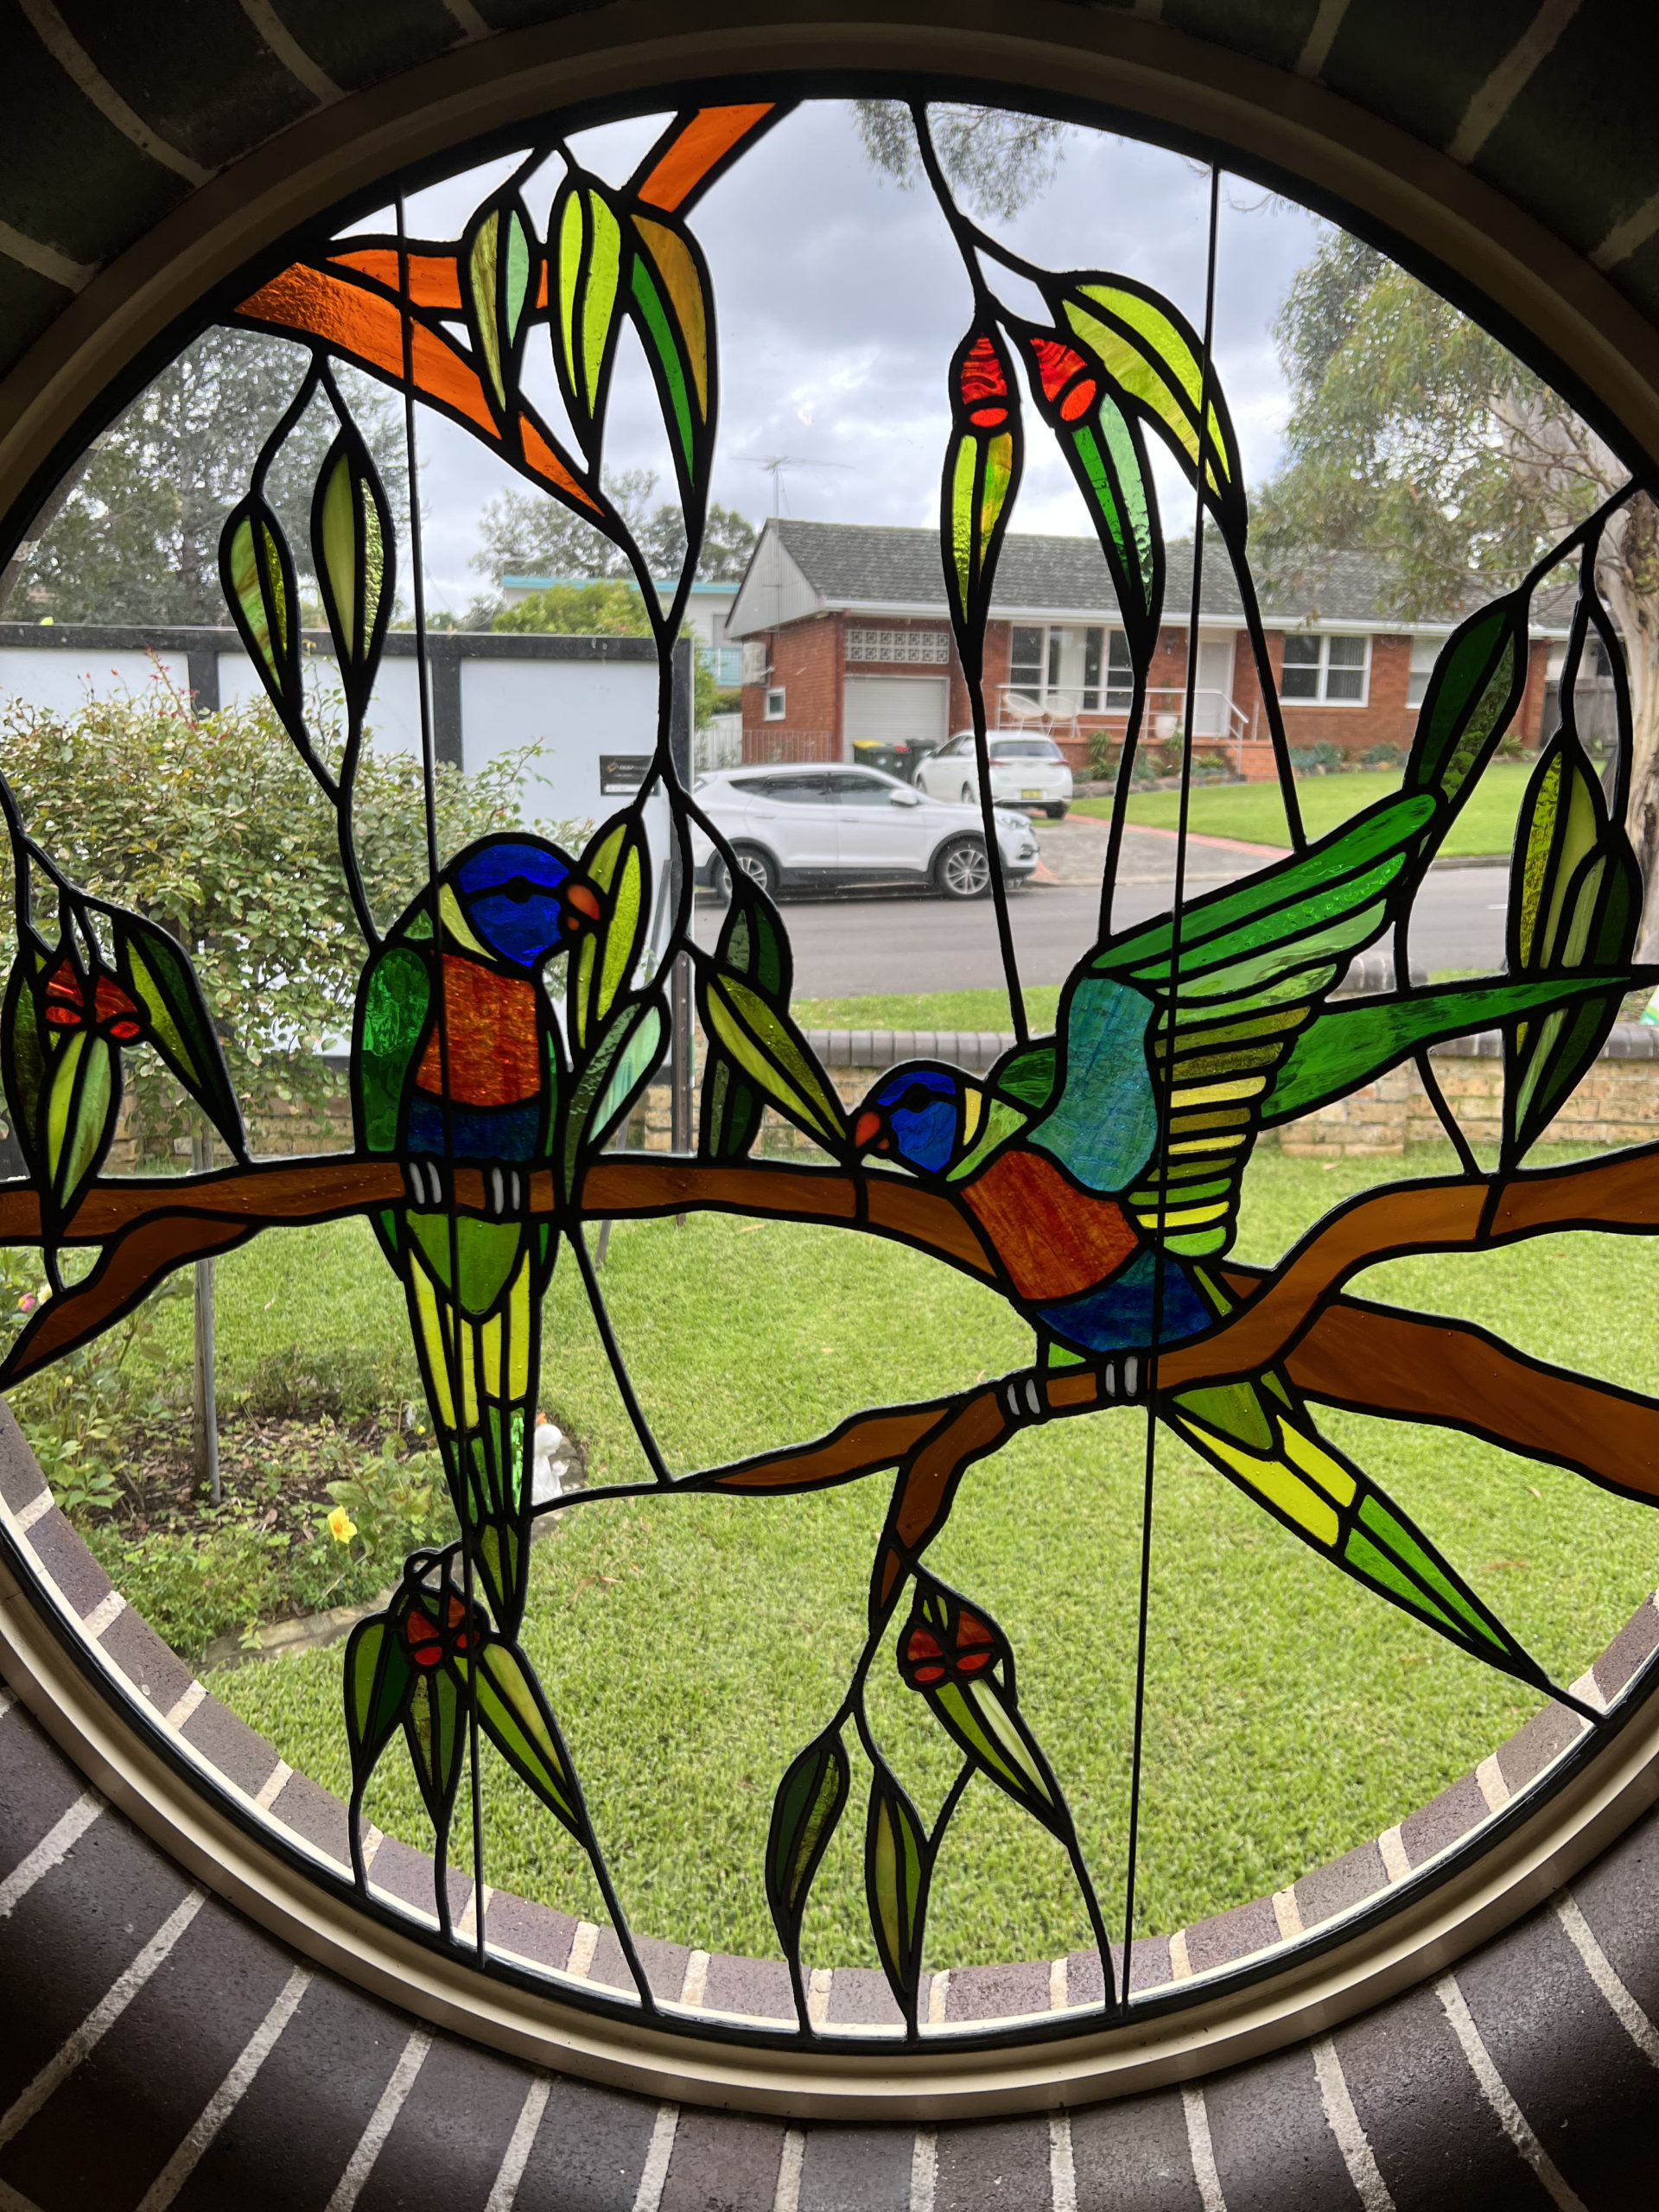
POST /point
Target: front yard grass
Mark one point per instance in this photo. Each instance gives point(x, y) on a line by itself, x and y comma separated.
point(1255, 814)
point(692, 1645)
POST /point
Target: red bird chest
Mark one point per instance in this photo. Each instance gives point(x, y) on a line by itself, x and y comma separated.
point(1053, 1239)
point(490, 1037)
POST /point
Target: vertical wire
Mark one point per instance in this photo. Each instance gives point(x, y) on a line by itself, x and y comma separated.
point(429, 802)
point(1166, 1086)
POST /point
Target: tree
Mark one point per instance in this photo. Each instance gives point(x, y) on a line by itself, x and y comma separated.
point(1415, 433)
point(136, 537)
point(997, 159)
point(612, 609)
point(526, 535)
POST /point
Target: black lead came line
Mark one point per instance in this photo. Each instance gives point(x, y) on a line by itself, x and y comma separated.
point(1159, 1256)
point(430, 806)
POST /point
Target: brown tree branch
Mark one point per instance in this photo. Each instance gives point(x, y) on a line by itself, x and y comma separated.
point(1400, 1365)
point(149, 1226)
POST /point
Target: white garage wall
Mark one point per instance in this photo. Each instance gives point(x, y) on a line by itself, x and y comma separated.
point(62, 679)
point(394, 706)
point(574, 711)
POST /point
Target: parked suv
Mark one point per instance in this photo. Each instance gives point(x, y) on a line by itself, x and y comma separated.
point(823, 825)
point(1030, 771)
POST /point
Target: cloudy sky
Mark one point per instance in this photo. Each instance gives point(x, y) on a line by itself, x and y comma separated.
point(841, 300)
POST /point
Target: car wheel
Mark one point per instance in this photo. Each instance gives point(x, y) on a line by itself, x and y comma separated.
point(962, 870)
point(755, 864)
point(1055, 813)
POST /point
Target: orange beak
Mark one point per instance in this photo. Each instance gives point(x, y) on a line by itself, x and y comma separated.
point(866, 1130)
point(582, 907)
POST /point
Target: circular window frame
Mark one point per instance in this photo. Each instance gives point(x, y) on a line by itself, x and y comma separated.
point(1520, 281)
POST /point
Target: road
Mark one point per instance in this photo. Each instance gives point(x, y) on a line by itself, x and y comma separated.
point(854, 945)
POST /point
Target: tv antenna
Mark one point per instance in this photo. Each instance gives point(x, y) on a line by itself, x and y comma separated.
point(775, 464)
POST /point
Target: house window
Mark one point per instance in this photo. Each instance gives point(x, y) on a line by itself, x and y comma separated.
point(1068, 669)
point(932, 647)
point(775, 703)
point(1120, 674)
point(1333, 670)
point(1424, 652)
point(1026, 661)
point(724, 663)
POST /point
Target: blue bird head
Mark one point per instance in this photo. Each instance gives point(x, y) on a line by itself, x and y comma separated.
point(916, 1114)
point(519, 898)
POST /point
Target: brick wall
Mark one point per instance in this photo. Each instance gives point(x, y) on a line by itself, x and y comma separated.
point(806, 661)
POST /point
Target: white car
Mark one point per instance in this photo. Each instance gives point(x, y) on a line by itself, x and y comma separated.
point(790, 828)
point(1029, 771)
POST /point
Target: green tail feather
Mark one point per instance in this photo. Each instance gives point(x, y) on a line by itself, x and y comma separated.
point(480, 1358)
point(1259, 1435)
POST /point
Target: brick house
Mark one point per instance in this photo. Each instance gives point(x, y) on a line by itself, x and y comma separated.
point(847, 644)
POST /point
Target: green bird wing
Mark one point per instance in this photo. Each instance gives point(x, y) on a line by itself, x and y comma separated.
point(394, 1009)
point(1220, 1010)
point(1346, 1046)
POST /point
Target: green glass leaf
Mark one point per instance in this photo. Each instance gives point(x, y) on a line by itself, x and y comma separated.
point(1151, 354)
point(83, 1095)
point(1476, 686)
point(809, 1802)
point(954, 1654)
point(256, 572)
point(435, 1729)
point(165, 983)
point(23, 1057)
point(586, 240)
point(766, 1047)
point(625, 1053)
point(896, 1870)
point(377, 1679)
point(664, 356)
point(1574, 904)
point(499, 262)
point(518, 1721)
point(616, 862)
point(352, 542)
point(480, 277)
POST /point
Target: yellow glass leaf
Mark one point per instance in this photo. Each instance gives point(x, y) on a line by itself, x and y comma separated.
point(684, 288)
point(622, 936)
point(599, 303)
point(339, 548)
point(481, 276)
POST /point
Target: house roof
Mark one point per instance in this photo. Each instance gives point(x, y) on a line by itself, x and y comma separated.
point(799, 569)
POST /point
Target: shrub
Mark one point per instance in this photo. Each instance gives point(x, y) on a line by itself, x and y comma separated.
point(1103, 755)
point(1383, 756)
point(338, 1383)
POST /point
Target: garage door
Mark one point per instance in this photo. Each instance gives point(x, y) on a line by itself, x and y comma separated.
point(883, 709)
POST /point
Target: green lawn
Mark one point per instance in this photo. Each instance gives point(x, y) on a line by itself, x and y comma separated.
point(692, 1646)
point(957, 1010)
point(1254, 813)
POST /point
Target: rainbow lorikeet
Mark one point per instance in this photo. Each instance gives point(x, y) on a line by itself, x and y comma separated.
point(1107, 1228)
point(466, 1071)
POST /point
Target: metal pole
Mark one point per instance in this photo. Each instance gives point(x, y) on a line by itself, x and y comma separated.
point(205, 1410)
point(680, 1062)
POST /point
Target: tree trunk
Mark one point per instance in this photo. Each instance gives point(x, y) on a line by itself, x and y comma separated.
point(1628, 573)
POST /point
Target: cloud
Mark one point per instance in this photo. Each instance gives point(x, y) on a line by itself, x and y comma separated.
point(840, 299)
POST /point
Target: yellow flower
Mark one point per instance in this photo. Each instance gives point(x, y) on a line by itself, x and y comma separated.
point(341, 1526)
